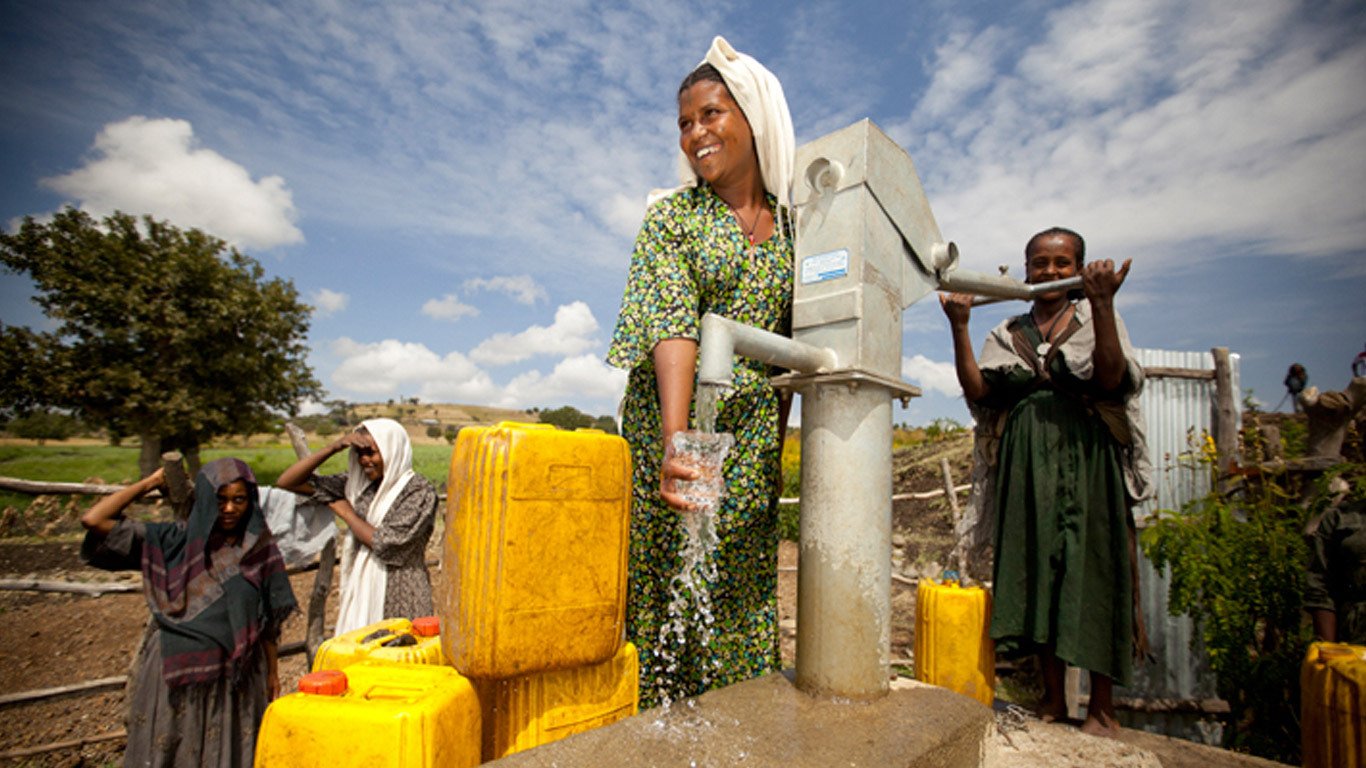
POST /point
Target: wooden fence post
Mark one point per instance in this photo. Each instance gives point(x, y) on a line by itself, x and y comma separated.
point(179, 489)
point(1225, 415)
point(948, 491)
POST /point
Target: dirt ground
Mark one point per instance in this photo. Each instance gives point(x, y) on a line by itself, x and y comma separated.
point(49, 640)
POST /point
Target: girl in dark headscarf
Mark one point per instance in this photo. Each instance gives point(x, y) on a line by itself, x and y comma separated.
point(218, 593)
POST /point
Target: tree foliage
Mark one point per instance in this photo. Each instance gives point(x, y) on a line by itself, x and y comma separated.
point(1238, 566)
point(566, 417)
point(163, 333)
point(44, 425)
point(569, 417)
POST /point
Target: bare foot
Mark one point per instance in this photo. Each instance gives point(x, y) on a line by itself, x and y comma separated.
point(1098, 724)
point(1050, 712)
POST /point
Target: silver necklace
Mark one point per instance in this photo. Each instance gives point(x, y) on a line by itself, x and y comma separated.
point(1046, 344)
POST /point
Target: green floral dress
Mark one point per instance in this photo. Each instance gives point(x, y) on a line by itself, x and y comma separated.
point(691, 258)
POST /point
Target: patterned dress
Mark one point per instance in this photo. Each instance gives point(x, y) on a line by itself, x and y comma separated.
point(400, 541)
point(691, 258)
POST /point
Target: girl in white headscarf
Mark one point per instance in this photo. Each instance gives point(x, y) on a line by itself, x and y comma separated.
point(720, 243)
point(390, 511)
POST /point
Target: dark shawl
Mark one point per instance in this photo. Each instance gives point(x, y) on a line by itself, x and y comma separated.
point(214, 611)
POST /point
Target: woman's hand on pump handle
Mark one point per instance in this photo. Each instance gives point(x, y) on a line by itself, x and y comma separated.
point(1100, 281)
point(957, 306)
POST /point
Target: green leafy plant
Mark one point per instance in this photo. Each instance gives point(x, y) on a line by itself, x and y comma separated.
point(942, 427)
point(1237, 567)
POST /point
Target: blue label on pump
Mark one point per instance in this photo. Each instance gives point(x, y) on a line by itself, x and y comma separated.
point(825, 266)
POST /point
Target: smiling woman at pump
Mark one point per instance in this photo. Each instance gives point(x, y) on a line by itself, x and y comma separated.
point(390, 511)
point(720, 243)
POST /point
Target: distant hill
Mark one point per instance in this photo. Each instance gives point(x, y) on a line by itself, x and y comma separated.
point(416, 419)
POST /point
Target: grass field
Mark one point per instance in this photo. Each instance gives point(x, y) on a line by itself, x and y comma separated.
point(79, 463)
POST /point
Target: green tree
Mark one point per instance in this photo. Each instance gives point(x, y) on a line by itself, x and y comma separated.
point(566, 417)
point(165, 334)
point(43, 425)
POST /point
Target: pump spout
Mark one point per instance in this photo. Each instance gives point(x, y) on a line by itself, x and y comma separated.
point(723, 338)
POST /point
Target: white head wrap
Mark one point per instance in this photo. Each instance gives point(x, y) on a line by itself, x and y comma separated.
point(365, 578)
point(760, 97)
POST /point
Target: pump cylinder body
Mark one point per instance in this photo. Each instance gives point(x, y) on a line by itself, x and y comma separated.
point(844, 574)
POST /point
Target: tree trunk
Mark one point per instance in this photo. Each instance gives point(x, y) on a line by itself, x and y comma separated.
point(1329, 415)
point(150, 457)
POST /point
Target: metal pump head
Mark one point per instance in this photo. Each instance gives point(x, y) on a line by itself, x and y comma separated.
point(867, 247)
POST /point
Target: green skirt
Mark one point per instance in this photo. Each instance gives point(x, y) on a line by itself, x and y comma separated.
point(1062, 574)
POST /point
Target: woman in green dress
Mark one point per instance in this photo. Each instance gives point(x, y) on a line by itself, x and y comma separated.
point(720, 243)
point(1058, 386)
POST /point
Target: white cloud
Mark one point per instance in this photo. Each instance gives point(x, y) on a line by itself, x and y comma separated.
point(931, 376)
point(448, 307)
point(329, 302)
point(581, 377)
point(570, 334)
point(311, 408)
point(386, 367)
point(143, 166)
point(521, 288)
point(1163, 128)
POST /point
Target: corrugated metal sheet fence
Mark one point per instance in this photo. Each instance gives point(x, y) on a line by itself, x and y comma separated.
point(1177, 410)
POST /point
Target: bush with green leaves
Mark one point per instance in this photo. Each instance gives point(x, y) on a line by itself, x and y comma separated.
point(1238, 562)
point(44, 425)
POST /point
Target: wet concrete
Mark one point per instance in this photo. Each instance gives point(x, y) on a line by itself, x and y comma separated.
point(768, 722)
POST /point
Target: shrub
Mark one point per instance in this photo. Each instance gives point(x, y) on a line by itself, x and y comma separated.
point(433, 430)
point(45, 425)
point(1237, 565)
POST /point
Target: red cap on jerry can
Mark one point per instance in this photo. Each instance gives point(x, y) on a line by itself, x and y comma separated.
point(426, 626)
point(327, 682)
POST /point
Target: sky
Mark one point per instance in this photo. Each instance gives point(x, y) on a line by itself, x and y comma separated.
point(455, 187)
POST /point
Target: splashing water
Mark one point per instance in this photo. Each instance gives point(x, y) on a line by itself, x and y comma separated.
point(689, 612)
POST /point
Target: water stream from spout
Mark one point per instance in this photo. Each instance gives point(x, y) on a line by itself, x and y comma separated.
point(689, 616)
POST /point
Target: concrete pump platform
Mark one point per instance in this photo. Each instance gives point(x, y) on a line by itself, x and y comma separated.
point(768, 722)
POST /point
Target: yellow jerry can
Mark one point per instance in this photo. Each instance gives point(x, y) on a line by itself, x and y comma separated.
point(374, 714)
point(953, 647)
point(398, 640)
point(534, 554)
point(1333, 706)
point(528, 711)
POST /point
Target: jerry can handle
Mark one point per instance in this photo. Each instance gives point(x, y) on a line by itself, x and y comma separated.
point(502, 425)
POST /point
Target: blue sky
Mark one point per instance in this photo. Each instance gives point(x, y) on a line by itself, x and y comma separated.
point(456, 187)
